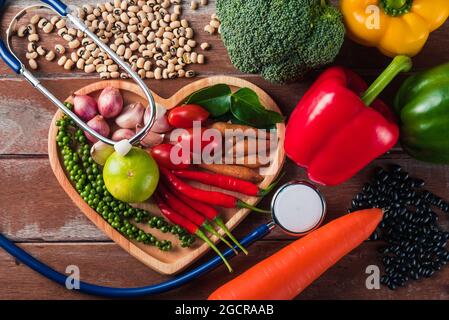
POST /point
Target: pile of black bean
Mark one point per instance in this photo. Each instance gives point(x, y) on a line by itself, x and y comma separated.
point(415, 244)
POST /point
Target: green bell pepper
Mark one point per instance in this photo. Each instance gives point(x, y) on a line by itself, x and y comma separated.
point(422, 105)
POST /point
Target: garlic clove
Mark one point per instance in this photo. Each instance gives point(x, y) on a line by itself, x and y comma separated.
point(151, 139)
point(100, 152)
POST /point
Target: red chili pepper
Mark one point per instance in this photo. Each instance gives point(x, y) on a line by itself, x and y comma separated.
point(211, 214)
point(175, 218)
point(211, 197)
point(333, 133)
point(162, 154)
point(224, 182)
point(189, 213)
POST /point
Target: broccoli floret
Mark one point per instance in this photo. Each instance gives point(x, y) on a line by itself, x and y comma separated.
point(280, 39)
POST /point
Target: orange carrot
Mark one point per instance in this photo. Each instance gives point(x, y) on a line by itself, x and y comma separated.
point(288, 272)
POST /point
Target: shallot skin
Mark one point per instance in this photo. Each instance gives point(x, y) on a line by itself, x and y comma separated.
point(161, 124)
point(122, 134)
point(85, 107)
point(99, 124)
point(131, 116)
point(110, 102)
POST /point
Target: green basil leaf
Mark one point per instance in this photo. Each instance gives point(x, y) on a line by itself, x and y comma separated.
point(246, 107)
point(215, 99)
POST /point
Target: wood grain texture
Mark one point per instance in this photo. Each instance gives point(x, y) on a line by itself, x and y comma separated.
point(35, 210)
point(107, 264)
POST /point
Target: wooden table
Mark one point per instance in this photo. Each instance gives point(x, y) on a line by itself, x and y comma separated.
point(36, 213)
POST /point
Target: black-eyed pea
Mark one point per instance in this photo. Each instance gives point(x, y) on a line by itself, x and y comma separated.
point(41, 51)
point(31, 29)
point(142, 48)
point(201, 59)
point(112, 68)
point(147, 65)
point(67, 37)
point(86, 55)
point(204, 2)
point(132, 28)
point(194, 57)
point(97, 12)
point(50, 56)
point(61, 24)
point(108, 62)
point(31, 47)
point(31, 55)
point(22, 31)
point(149, 75)
point(91, 47)
point(182, 41)
point(80, 64)
point(121, 50)
point(62, 61)
point(128, 53)
point(97, 62)
point(191, 43)
point(89, 68)
point(187, 48)
point(214, 16)
point(190, 74)
point(209, 29)
point(74, 44)
point(60, 49)
point(124, 75)
point(189, 33)
point(142, 73)
point(48, 28)
point(193, 5)
point(74, 56)
point(113, 47)
point(105, 75)
point(215, 23)
point(181, 73)
point(33, 64)
point(205, 46)
point(35, 19)
point(42, 23)
point(178, 67)
point(68, 65)
point(99, 68)
point(186, 58)
point(33, 37)
point(134, 46)
point(115, 74)
point(170, 68)
point(90, 61)
point(109, 6)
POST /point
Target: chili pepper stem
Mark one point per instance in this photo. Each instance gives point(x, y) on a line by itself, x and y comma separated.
point(209, 228)
point(200, 234)
point(267, 190)
point(222, 225)
point(241, 204)
point(398, 65)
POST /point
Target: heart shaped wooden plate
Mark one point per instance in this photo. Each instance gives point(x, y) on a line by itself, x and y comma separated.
point(178, 258)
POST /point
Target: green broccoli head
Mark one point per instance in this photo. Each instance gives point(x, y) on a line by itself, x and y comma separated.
point(280, 39)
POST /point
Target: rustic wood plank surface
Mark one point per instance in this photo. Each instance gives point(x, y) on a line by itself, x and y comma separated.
point(35, 212)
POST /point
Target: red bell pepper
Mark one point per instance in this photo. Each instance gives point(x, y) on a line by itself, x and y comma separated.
point(334, 133)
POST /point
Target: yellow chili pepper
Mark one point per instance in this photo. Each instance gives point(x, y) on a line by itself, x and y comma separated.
point(395, 27)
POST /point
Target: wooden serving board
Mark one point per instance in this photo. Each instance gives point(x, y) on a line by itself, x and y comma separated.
point(178, 258)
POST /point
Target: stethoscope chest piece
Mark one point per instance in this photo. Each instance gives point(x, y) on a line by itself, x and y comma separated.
point(298, 208)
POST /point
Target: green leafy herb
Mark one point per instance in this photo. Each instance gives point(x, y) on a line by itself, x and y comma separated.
point(215, 99)
point(242, 107)
point(247, 108)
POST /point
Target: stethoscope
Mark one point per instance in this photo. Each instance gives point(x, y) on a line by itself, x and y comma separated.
point(297, 207)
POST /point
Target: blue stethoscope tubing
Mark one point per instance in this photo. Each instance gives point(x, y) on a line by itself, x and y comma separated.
point(111, 292)
point(92, 289)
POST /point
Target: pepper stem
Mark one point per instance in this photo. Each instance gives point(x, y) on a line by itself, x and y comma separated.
point(241, 204)
point(200, 234)
point(396, 8)
point(267, 190)
point(398, 65)
point(222, 225)
point(209, 228)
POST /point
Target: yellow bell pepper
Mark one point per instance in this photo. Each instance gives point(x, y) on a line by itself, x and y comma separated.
point(395, 27)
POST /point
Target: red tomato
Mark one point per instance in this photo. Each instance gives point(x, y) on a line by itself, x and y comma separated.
point(183, 116)
point(163, 157)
